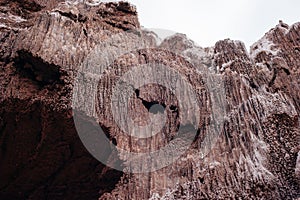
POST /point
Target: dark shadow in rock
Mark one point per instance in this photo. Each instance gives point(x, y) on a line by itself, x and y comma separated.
point(36, 69)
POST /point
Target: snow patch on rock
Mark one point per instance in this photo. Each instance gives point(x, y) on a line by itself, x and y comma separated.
point(89, 2)
point(12, 18)
point(93, 3)
point(264, 44)
point(3, 26)
point(226, 65)
point(297, 169)
point(259, 158)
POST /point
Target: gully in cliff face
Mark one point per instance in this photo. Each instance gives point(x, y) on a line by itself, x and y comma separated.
point(93, 106)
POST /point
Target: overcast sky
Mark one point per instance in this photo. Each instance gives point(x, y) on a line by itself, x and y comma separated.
point(207, 21)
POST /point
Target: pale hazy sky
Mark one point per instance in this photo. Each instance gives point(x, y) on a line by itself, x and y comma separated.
point(207, 21)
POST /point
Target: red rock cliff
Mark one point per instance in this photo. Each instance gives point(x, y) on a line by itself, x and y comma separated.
point(247, 132)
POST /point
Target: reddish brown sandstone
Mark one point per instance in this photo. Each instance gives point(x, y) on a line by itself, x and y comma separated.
point(43, 45)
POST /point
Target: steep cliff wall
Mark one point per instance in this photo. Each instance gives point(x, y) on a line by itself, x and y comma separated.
point(232, 116)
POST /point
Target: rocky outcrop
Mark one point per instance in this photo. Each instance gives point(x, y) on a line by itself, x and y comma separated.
point(61, 62)
point(41, 153)
point(255, 155)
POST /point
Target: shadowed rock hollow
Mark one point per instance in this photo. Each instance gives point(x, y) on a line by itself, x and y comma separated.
point(247, 136)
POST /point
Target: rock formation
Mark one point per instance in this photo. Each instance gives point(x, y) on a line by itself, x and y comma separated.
point(245, 129)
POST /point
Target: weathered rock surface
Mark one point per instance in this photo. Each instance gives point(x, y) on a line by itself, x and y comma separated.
point(248, 107)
